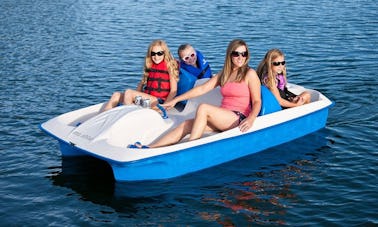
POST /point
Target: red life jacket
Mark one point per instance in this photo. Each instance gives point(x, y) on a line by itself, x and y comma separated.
point(158, 81)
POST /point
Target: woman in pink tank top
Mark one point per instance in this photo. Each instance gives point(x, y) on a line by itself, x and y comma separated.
point(241, 103)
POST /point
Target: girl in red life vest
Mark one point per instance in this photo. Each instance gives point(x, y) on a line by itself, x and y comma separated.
point(159, 81)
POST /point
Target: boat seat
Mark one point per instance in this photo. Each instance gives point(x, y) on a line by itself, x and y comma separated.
point(269, 103)
point(186, 82)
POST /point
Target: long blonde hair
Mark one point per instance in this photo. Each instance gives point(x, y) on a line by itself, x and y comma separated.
point(264, 69)
point(225, 73)
point(171, 62)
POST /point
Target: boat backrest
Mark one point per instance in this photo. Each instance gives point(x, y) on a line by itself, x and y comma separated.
point(186, 82)
point(269, 103)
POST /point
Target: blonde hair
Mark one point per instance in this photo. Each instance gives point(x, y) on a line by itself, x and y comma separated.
point(225, 73)
point(172, 65)
point(264, 69)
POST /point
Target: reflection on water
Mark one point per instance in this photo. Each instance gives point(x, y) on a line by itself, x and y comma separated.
point(86, 175)
point(254, 202)
point(262, 197)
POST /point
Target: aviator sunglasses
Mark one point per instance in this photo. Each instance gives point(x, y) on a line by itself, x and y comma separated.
point(159, 53)
point(237, 54)
point(277, 63)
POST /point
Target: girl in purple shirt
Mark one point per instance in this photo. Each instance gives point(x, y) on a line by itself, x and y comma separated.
point(272, 73)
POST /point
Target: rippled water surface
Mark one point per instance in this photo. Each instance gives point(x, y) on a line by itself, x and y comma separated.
point(57, 56)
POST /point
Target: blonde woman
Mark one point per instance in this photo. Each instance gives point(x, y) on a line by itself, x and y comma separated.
point(159, 81)
point(241, 103)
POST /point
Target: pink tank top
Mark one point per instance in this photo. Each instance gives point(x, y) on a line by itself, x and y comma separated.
point(236, 97)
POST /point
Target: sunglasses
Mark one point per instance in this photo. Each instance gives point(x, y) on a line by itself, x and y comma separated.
point(277, 63)
point(159, 53)
point(237, 54)
point(189, 57)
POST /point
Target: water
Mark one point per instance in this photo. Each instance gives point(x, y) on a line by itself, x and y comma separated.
point(57, 56)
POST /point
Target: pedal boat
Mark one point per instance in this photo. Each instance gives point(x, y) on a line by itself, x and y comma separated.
point(106, 135)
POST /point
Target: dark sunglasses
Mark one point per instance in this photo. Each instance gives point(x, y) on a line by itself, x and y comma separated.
point(237, 54)
point(159, 53)
point(277, 63)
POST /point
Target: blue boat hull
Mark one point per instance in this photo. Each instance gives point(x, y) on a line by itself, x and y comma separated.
point(212, 154)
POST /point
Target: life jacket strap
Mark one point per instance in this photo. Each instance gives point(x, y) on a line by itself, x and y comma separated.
point(157, 71)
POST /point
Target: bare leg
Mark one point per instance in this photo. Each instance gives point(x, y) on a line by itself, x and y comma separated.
point(116, 98)
point(208, 118)
point(212, 118)
point(174, 135)
point(129, 97)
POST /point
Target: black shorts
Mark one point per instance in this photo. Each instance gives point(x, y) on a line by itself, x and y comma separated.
point(241, 116)
point(286, 94)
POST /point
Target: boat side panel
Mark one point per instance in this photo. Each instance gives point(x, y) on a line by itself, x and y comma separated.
point(66, 148)
point(208, 155)
point(69, 150)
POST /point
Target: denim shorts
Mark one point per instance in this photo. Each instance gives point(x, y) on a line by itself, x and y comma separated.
point(160, 101)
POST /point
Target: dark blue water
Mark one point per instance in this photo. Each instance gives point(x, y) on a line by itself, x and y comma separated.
point(57, 56)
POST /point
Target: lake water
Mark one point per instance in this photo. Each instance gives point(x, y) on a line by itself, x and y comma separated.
point(58, 56)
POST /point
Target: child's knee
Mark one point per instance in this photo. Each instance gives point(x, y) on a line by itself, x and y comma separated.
point(116, 95)
point(128, 93)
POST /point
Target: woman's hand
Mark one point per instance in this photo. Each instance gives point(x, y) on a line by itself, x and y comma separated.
point(246, 124)
point(299, 100)
point(169, 104)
